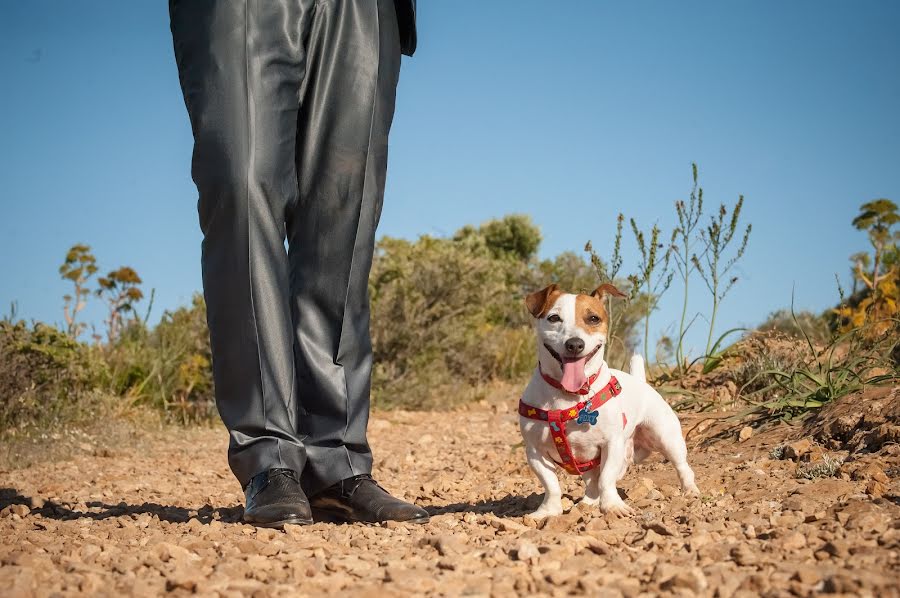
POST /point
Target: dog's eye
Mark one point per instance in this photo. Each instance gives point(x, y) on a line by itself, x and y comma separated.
point(594, 320)
point(554, 318)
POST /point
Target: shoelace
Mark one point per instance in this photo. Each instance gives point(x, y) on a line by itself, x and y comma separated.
point(288, 473)
point(350, 485)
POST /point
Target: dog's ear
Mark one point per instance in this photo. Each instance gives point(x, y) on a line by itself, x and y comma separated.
point(539, 302)
point(607, 289)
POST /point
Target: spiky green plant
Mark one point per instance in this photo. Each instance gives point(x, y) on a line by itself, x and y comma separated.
point(688, 218)
point(848, 363)
point(654, 273)
point(716, 239)
point(609, 274)
point(828, 467)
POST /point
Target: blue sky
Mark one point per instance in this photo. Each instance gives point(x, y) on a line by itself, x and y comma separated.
point(569, 112)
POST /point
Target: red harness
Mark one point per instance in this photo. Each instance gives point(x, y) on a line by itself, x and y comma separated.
point(584, 412)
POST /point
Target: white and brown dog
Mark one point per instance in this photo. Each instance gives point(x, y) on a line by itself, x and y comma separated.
point(585, 417)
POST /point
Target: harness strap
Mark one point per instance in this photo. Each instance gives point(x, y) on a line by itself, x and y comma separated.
point(584, 413)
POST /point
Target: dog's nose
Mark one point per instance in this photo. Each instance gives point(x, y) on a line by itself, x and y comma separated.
point(574, 345)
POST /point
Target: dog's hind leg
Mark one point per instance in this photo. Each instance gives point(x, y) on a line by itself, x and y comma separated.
point(672, 446)
point(545, 471)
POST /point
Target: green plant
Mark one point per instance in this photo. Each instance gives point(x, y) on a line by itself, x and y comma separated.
point(879, 298)
point(848, 363)
point(45, 375)
point(168, 367)
point(777, 452)
point(782, 322)
point(716, 238)
point(878, 218)
point(623, 320)
point(446, 313)
point(828, 467)
point(78, 267)
point(121, 291)
point(654, 274)
point(683, 250)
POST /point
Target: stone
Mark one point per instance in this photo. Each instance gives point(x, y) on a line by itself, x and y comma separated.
point(743, 555)
point(745, 434)
point(662, 528)
point(796, 450)
point(691, 579)
point(793, 541)
point(526, 551)
point(641, 489)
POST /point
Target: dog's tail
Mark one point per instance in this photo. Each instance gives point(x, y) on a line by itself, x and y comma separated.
point(637, 367)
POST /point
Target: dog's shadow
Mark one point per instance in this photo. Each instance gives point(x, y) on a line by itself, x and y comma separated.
point(508, 506)
point(172, 514)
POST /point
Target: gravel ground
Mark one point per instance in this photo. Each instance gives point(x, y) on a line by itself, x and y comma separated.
point(163, 516)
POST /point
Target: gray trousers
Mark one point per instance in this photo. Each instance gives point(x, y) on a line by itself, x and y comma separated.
point(290, 103)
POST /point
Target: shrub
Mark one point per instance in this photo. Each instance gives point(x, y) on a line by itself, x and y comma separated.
point(445, 312)
point(45, 375)
point(794, 326)
point(168, 367)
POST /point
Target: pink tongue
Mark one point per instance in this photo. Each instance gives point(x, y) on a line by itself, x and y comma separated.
point(573, 377)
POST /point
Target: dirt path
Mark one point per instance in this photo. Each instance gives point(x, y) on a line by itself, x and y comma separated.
point(163, 517)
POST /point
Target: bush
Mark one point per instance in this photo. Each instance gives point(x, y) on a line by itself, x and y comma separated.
point(169, 367)
point(445, 313)
point(781, 321)
point(45, 375)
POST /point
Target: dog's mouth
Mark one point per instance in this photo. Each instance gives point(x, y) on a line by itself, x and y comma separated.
point(573, 377)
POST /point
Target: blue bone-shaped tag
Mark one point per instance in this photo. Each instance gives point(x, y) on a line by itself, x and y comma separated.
point(587, 417)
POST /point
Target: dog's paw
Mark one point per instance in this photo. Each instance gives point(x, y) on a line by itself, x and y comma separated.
point(691, 490)
point(543, 512)
point(588, 502)
point(617, 508)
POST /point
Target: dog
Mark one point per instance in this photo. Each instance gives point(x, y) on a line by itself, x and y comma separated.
point(579, 414)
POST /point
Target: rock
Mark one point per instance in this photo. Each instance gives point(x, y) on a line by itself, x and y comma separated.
point(796, 450)
point(564, 522)
point(793, 541)
point(691, 579)
point(743, 555)
point(641, 489)
point(20, 510)
point(662, 528)
point(447, 545)
point(875, 488)
point(836, 548)
point(745, 434)
point(526, 551)
point(807, 575)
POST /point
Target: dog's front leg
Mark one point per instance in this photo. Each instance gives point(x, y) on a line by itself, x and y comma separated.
point(544, 470)
point(612, 462)
point(591, 486)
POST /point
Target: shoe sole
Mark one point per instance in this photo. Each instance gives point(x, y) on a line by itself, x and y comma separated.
point(326, 516)
point(279, 524)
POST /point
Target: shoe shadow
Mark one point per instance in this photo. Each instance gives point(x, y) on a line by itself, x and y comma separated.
point(172, 514)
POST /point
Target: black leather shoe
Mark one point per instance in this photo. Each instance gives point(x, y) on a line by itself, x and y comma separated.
point(274, 498)
point(361, 499)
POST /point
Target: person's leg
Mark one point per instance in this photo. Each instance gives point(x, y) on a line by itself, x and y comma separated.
point(347, 104)
point(241, 64)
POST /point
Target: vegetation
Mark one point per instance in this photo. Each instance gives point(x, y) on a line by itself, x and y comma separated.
point(684, 239)
point(448, 322)
point(717, 237)
point(653, 275)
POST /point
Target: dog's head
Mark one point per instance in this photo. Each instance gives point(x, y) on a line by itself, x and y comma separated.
point(571, 332)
